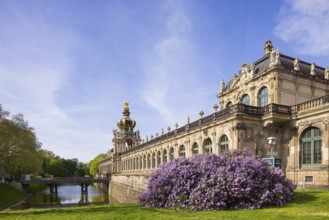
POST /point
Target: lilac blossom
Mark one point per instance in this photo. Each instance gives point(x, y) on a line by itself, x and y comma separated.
point(235, 180)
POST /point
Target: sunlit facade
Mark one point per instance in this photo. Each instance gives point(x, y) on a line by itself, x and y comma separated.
point(276, 96)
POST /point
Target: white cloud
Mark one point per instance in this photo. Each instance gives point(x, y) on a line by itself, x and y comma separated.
point(166, 74)
point(35, 62)
point(305, 23)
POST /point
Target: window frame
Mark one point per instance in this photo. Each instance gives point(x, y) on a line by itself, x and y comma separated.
point(206, 146)
point(262, 97)
point(182, 151)
point(223, 143)
point(195, 148)
point(311, 155)
point(243, 99)
point(229, 104)
point(171, 153)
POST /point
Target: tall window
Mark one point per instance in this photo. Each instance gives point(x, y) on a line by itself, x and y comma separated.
point(208, 146)
point(195, 148)
point(149, 161)
point(311, 147)
point(223, 143)
point(182, 151)
point(262, 97)
point(229, 104)
point(144, 165)
point(171, 154)
point(140, 162)
point(165, 157)
point(153, 160)
point(245, 99)
point(159, 159)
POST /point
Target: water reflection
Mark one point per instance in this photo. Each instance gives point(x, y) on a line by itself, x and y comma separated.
point(69, 195)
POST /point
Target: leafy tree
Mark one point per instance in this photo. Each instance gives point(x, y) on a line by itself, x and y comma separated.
point(82, 169)
point(19, 147)
point(47, 156)
point(56, 168)
point(71, 166)
point(93, 164)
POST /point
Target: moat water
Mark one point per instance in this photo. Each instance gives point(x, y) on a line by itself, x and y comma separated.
point(68, 195)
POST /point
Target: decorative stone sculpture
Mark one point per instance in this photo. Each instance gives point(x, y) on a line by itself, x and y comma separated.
point(215, 107)
point(147, 138)
point(251, 70)
point(176, 125)
point(222, 85)
point(326, 73)
point(268, 47)
point(188, 120)
point(201, 113)
point(168, 129)
point(275, 58)
point(312, 69)
point(296, 64)
point(162, 131)
point(244, 68)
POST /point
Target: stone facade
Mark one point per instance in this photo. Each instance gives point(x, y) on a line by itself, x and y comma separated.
point(276, 96)
point(126, 188)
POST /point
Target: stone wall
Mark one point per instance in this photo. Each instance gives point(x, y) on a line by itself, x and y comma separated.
point(125, 188)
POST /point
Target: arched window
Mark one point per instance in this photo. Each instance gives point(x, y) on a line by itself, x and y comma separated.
point(159, 159)
point(144, 162)
point(137, 163)
point(134, 162)
point(208, 146)
point(245, 99)
point(223, 143)
point(182, 151)
point(229, 104)
point(311, 147)
point(153, 160)
point(149, 161)
point(171, 154)
point(195, 148)
point(263, 97)
point(140, 162)
point(165, 157)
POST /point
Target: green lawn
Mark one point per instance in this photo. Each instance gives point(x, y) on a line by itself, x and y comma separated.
point(311, 205)
point(8, 195)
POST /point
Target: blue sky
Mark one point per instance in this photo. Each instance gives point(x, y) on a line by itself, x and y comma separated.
point(69, 66)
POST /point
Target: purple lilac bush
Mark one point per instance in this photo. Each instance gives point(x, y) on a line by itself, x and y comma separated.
point(235, 180)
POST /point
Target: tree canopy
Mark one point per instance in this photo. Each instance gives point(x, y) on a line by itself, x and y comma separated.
point(21, 153)
point(93, 164)
point(19, 147)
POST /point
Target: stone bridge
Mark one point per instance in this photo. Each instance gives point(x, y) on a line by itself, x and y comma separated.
point(54, 182)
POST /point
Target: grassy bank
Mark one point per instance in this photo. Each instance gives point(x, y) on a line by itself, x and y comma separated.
point(9, 195)
point(311, 205)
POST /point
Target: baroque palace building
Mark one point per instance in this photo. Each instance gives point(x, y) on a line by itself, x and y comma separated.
point(276, 98)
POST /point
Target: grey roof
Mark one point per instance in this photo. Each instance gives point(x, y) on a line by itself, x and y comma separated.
point(287, 62)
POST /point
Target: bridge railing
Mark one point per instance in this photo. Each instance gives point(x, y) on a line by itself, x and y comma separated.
point(63, 180)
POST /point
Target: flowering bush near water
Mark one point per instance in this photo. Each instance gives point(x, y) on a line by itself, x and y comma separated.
point(235, 180)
